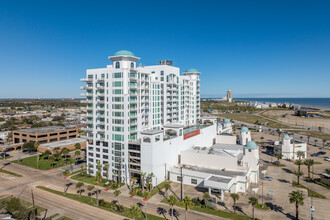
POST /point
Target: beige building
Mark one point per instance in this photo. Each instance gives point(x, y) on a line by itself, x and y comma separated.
point(45, 134)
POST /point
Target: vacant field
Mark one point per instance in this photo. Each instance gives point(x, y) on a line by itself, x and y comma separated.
point(253, 119)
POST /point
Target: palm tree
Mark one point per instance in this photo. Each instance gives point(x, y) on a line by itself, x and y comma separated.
point(206, 197)
point(320, 129)
point(298, 163)
point(262, 140)
point(77, 154)
point(172, 201)
point(65, 153)
point(253, 201)
point(279, 132)
point(327, 171)
point(36, 146)
point(298, 174)
point(235, 197)
point(300, 154)
point(187, 202)
point(135, 211)
point(296, 197)
point(308, 137)
point(82, 169)
point(78, 186)
point(52, 159)
point(65, 174)
point(98, 179)
point(278, 155)
point(117, 193)
point(167, 186)
point(90, 188)
point(301, 138)
point(77, 146)
point(106, 165)
point(143, 176)
point(315, 140)
point(324, 141)
point(146, 196)
point(309, 163)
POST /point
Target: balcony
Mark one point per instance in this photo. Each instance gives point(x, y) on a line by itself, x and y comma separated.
point(100, 87)
point(101, 94)
point(100, 101)
point(86, 87)
point(101, 79)
point(86, 80)
point(87, 101)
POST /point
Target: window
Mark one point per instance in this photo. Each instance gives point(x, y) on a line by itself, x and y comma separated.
point(117, 65)
point(117, 84)
point(146, 140)
point(117, 75)
point(178, 178)
point(157, 138)
point(193, 181)
point(132, 65)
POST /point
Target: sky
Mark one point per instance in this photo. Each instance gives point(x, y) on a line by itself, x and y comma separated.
point(260, 48)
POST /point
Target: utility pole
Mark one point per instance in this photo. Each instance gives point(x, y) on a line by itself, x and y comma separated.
point(181, 184)
point(262, 194)
point(34, 212)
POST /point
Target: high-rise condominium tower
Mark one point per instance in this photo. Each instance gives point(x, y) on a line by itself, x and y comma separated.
point(124, 99)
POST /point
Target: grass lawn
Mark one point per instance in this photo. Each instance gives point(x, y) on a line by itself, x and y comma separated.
point(211, 211)
point(52, 216)
point(264, 207)
point(311, 193)
point(317, 162)
point(87, 200)
point(1, 158)
point(89, 179)
point(249, 118)
point(44, 164)
point(154, 191)
point(10, 173)
point(280, 165)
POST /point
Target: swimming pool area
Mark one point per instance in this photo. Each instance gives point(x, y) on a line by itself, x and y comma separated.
point(187, 130)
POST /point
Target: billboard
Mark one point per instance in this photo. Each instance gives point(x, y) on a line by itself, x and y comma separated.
point(191, 134)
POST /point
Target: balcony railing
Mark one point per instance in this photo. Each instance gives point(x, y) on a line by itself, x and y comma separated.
point(86, 79)
point(86, 87)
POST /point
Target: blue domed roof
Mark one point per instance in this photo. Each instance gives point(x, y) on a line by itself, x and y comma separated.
point(191, 70)
point(286, 137)
point(251, 145)
point(124, 53)
point(226, 121)
point(244, 129)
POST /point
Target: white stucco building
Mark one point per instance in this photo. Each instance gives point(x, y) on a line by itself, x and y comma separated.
point(244, 136)
point(124, 99)
point(289, 147)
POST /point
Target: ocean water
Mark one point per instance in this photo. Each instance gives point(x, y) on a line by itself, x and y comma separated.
point(311, 102)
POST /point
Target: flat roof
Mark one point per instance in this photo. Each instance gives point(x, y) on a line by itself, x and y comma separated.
point(63, 143)
point(219, 179)
point(151, 132)
point(229, 173)
point(226, 150)
point(173, 126)
point(44, 129)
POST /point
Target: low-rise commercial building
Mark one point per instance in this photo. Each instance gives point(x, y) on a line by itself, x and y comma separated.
point(289, 148)
point(45, 134)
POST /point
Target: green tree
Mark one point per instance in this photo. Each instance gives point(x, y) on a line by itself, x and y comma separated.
point(106, 165)
point(82, 169)
point(117, 193)
point(47, 153)
point(146, 196)
point(262, 140)
point(77, 154)
point(309, 163)
point(253, 201)
point(298, 163)
point(235, 197)
point(296, 197)
point(172, 201)
point(65, 174)
point(300, 154)
point(315, 140)
point(143, 176)
point(298, 174)
point(167, 186)
point(90, 188)
point(65, 153)
point(206, 197)
point(78, 186)
point(279, 132)
point(77, 146)
point(52, 159)
point(29, 146)
point(135, 211)
point(327, 171)
point(278, 155)
point(324, 141)
point(187, 203)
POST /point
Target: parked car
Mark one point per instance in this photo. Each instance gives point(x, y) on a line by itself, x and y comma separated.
point(322, 153)
point(3, 155)
point(277, 163)
point(267, 178)
point(79, 162)
point(315, 155)
point(327, 158)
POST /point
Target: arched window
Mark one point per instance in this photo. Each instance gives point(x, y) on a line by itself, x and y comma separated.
point(117, 65)
point(132, 65)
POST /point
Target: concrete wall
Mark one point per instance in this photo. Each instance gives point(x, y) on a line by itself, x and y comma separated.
point(226, 139)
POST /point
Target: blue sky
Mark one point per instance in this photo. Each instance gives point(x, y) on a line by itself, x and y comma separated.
point(255, 48)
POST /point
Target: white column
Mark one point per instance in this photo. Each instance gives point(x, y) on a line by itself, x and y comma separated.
point(222, 194)
point(210, 191)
